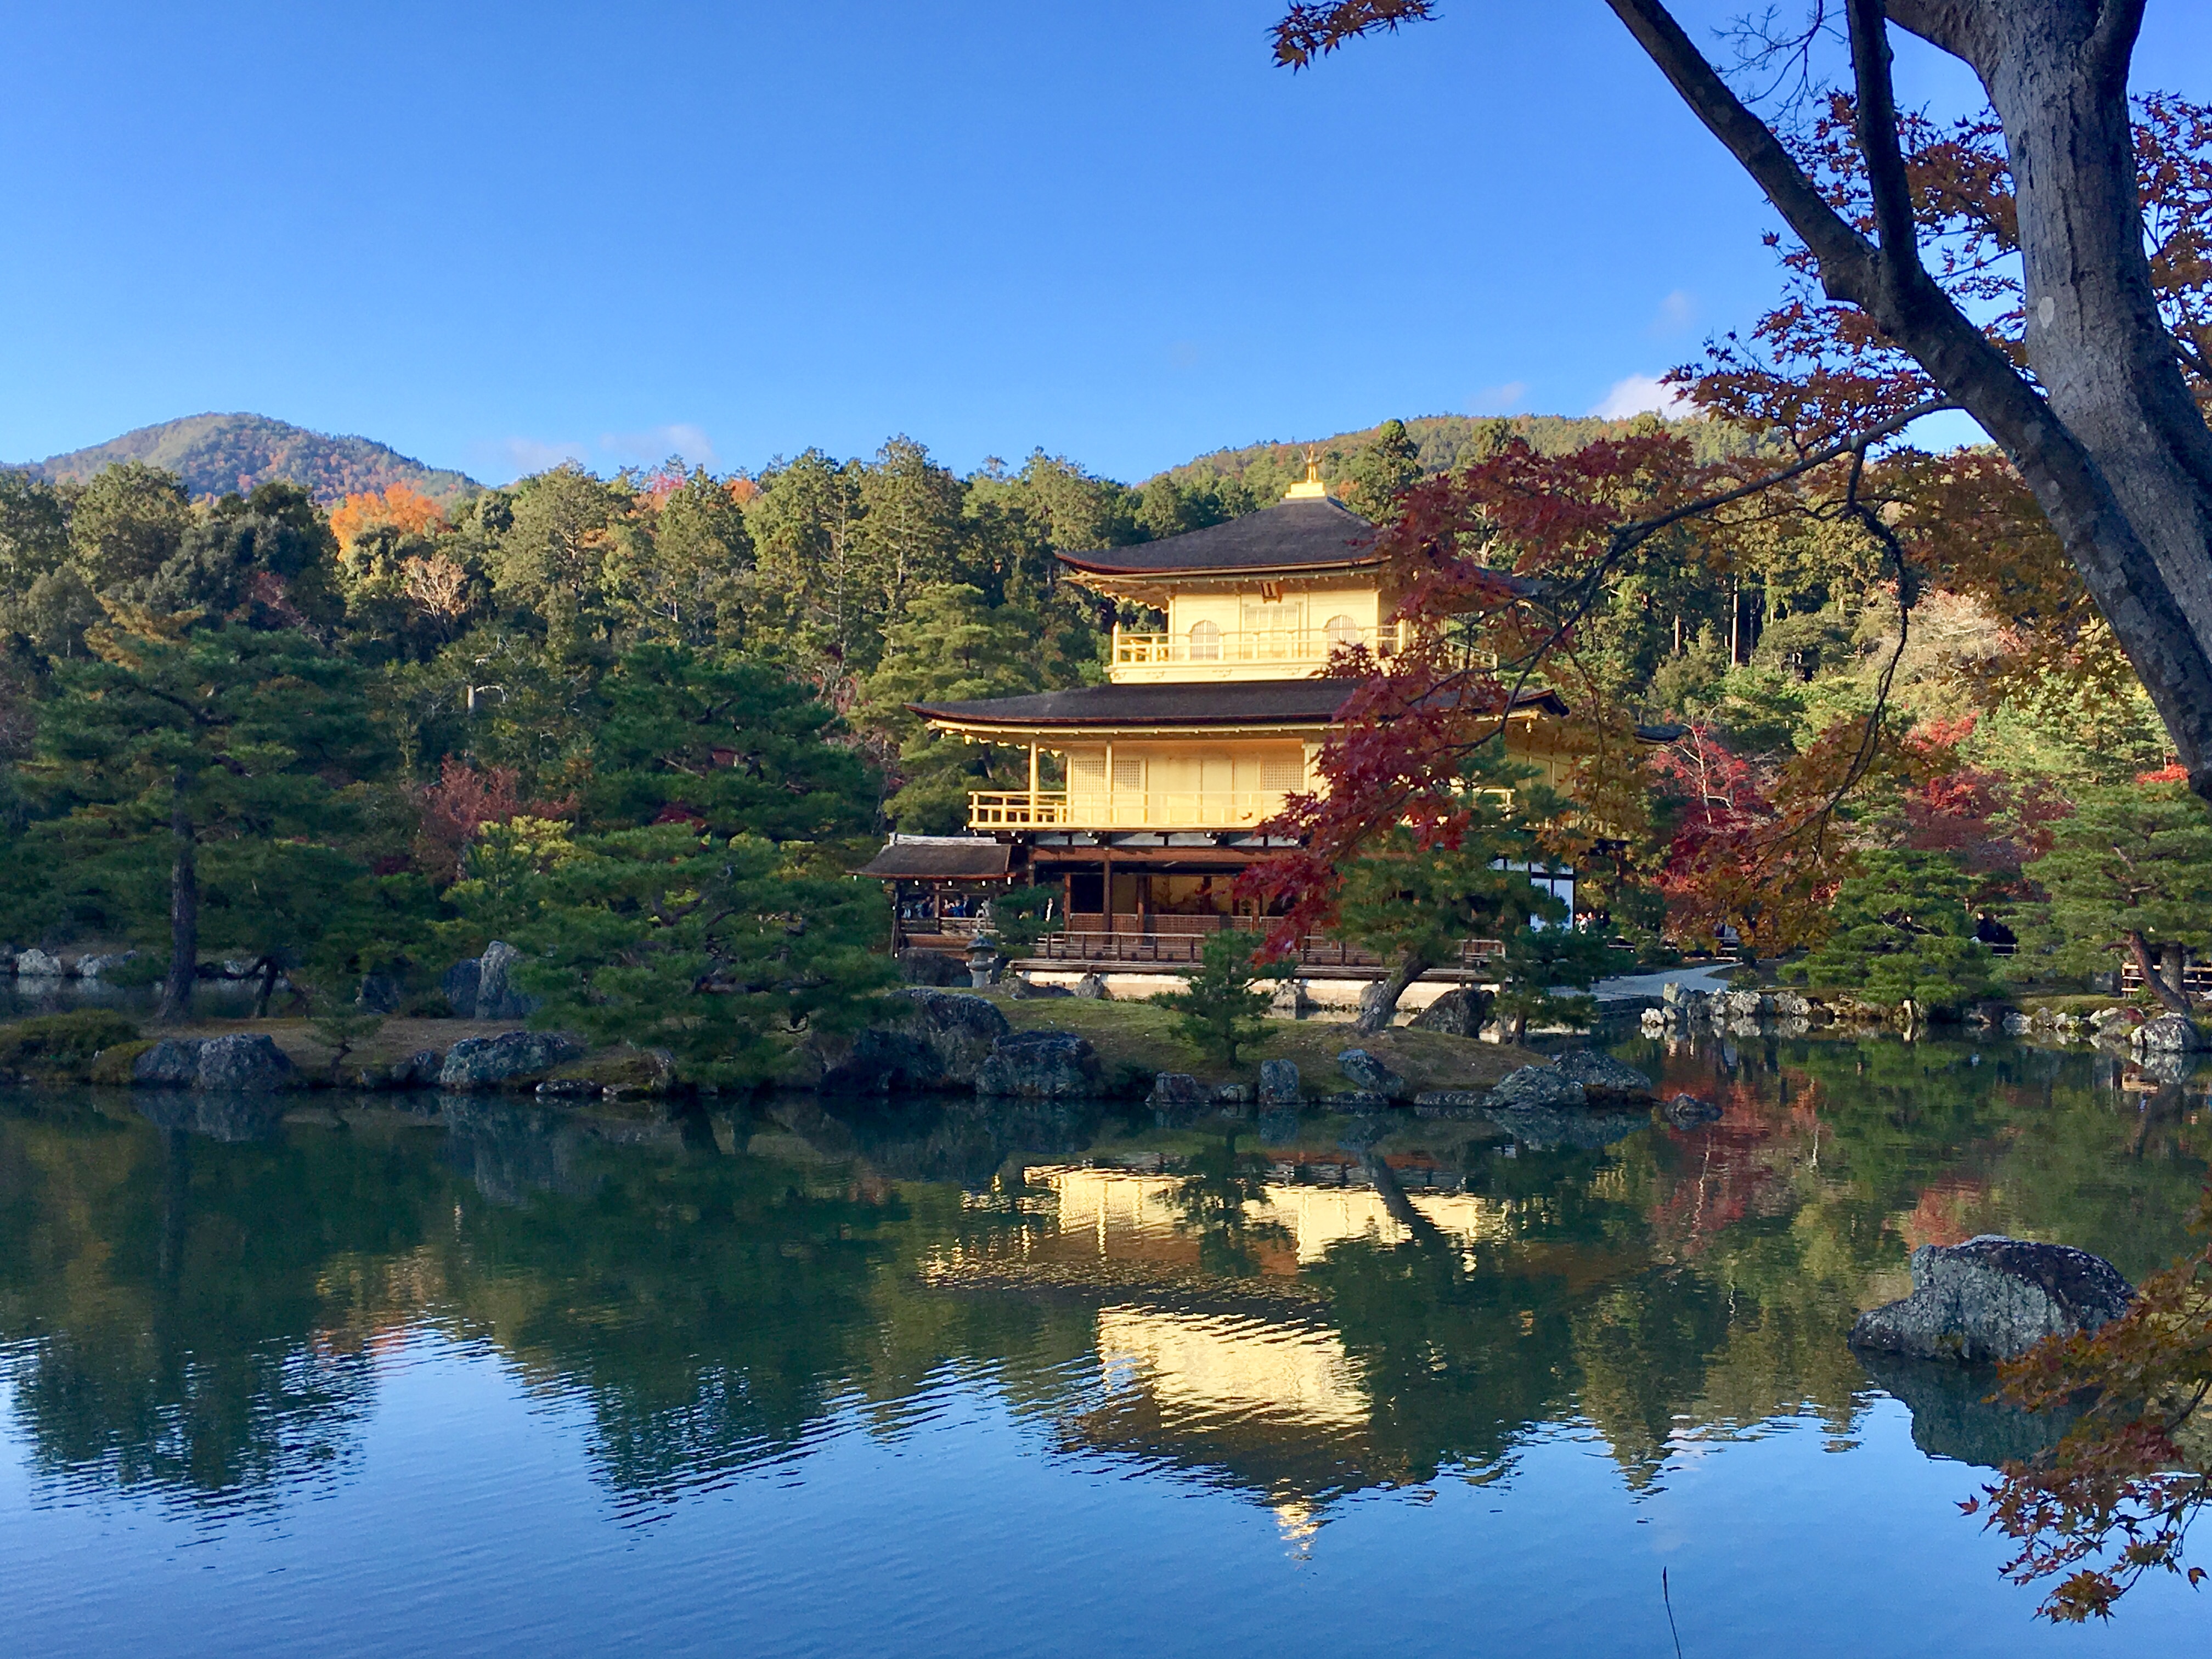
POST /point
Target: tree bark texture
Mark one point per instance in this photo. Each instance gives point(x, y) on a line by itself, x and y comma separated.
point(1378, 1003)
point(2107, 436)
point(184, 916)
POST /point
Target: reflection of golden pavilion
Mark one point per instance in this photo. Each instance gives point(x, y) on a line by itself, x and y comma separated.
point(1128, 1214)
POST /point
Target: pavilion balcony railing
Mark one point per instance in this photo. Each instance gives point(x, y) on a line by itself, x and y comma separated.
point(1198, 648)
point(1123, 809)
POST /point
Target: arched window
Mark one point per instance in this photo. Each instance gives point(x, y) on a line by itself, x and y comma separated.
point(1342, 630)
point(1206, 641)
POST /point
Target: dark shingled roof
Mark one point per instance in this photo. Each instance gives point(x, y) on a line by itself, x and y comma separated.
point(1210, 703)
point(943, 860)
point(1288, 536)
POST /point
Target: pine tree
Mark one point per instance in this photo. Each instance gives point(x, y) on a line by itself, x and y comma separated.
point(730, 743)
point(952, 648)
point(1904, 931)
point(164, 744)
point(1384, 471)
point(715, 948)
point(2129, 872)
point(1221, 1010)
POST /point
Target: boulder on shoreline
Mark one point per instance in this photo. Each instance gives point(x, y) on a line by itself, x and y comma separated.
point(1175, 1096)
point(1535, 1088)
point(927, 1040)
point(1461, 1012)
point(1994, 1298)
point(1370, 1075)
point(1603, 1077)
point(1280, 1084)
point(511, 1060)
point(1040, 1065)
point(239, 1064)
point(2172, 1034)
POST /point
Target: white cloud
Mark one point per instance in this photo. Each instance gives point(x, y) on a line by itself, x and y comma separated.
point(1676, 312)
point(657, 444)
point(1499, 399)
point(525, 455)
point(1637, 394)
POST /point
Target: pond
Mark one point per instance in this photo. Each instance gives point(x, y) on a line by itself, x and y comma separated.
point(475, 1377)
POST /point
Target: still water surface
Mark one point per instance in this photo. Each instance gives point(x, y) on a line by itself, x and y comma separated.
point(477, 1378)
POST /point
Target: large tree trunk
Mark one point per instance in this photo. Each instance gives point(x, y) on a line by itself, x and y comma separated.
point(184, 916)
point(268, 967)
point(2111, 441)
point(1378, 1003)
point(2173, 995)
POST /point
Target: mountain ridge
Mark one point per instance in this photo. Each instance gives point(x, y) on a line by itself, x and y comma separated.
point(218, 454)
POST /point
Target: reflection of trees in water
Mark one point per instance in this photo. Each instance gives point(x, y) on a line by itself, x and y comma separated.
point(1213, 1203)
point(163, 1285)
point(192, 1310)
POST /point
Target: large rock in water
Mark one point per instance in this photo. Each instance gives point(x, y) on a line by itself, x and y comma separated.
point(1994, 1299)
point(1040, 1065)
point(1280, 1084)
point(1535, 1088)
point(1372, 1076)
point(1602, 1077)
point(509, 1059)
point(242, 1064)
point(929, 1040)
point(1463, 1012)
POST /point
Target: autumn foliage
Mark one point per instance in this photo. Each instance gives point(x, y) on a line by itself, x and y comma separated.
point(461, 802)
point(2114, 1499)
point(407, 511)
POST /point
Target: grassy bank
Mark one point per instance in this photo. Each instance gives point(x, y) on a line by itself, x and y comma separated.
point(1133, 1040)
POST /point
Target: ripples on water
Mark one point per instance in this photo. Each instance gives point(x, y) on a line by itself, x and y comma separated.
point(485, 1377)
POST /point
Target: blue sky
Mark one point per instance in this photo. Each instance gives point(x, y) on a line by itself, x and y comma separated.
point(496, 234)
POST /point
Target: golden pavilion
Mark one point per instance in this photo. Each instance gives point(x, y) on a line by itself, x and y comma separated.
point(1206, 723)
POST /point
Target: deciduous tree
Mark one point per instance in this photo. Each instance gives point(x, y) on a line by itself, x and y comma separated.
point(2088, 391)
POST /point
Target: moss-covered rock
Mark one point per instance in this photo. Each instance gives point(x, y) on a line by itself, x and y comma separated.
point(621, 1070)
point(112, 1064)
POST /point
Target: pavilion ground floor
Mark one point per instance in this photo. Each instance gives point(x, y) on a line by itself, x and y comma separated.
point(1140, 902)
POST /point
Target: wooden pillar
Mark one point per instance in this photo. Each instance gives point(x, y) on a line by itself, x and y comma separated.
point(1106, 852)
point(1033, 781)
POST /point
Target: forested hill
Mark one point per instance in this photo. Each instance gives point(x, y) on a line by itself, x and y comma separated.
point(215, 455)
point(1445, 441)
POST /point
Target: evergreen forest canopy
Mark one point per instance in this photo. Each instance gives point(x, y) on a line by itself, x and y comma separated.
point(383, 722)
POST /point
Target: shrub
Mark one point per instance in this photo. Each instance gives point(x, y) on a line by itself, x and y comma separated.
point(57, 1042)
point(1223, 1011)
point(1903, 930)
